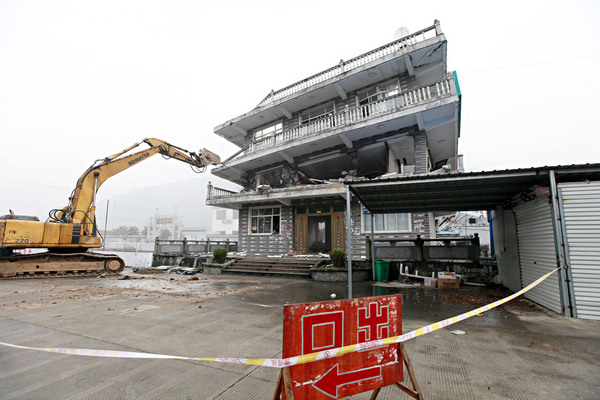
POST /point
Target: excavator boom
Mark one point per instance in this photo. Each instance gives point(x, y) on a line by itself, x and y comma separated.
point(80, 211)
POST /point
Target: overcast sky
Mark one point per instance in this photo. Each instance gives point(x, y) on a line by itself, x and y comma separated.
point(81, 80)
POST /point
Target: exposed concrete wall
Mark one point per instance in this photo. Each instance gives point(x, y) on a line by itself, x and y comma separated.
point(507, 248)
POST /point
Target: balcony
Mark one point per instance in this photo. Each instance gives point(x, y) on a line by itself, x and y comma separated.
point(235, 200)
point(431, 108)
point(353, 115)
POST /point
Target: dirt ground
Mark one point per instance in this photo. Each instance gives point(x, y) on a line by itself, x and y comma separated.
point(187, 289)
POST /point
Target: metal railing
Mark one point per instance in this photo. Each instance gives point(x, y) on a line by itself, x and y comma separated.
point(424, 249)
point(352, 115)
point(345, 66)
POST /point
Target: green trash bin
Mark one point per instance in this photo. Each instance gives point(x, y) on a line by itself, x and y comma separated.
point(382, 270)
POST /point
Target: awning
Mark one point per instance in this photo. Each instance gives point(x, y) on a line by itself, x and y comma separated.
point(465, 191)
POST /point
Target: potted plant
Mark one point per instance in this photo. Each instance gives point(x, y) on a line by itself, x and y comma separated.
point(219, 255)
point(338, 258)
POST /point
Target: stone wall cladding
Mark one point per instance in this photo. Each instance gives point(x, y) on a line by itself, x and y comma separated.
point(284, 241)
point(421, 153)
point(275, 244)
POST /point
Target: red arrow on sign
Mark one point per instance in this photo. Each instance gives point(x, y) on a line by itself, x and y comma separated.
point(332, 379)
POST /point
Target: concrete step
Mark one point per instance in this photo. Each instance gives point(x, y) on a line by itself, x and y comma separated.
point(273, 272)
point(281, 261)
point(296, 267)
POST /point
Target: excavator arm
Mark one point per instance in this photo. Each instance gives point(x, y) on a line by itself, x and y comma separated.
point(81, 207)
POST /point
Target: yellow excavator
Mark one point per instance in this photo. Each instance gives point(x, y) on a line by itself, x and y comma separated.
point(70, 232)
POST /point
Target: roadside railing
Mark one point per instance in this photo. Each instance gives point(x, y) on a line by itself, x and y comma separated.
point(191, 247)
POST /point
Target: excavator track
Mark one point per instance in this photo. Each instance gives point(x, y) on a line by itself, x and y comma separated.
point(41, 265)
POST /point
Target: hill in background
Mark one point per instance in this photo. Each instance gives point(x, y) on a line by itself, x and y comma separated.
point(186, 198)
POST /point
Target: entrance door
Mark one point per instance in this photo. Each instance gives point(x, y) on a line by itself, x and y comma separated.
point(319, 229)
point(319, 233)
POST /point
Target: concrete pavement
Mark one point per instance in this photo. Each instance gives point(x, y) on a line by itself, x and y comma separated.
point(517, 351)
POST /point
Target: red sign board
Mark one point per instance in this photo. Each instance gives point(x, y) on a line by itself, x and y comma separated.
point(321, 326)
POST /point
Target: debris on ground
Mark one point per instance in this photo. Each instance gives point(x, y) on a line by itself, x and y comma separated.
point(149, 271)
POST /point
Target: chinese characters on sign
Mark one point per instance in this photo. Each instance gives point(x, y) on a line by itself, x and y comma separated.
point(322, 326)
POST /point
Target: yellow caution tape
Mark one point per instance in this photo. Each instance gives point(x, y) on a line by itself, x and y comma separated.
point(303, 359)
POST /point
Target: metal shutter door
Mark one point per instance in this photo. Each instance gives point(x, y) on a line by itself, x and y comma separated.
point(581, 204)
point(537, 254)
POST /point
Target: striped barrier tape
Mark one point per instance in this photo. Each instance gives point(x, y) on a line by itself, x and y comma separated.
point(303, 359)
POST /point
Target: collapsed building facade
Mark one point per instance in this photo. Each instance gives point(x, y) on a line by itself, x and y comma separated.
point(393, 111)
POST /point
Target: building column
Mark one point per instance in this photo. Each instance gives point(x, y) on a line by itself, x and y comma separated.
point(421, 153)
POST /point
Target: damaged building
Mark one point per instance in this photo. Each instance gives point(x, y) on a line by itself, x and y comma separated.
point(393, 111)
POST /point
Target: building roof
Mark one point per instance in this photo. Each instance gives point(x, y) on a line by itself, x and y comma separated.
point(422, 53)
point(465, 191)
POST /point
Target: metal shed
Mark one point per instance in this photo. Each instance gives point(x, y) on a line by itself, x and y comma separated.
point(535, 210)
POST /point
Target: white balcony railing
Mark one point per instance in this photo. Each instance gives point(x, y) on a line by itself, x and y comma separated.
point(349, 115)
point(355, 62)
point(213, 192)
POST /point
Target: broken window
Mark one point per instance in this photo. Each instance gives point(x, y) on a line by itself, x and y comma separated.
point(268, 130)
point(387, 223)
point(379, 92)
point(264, 221)
point(322, 111)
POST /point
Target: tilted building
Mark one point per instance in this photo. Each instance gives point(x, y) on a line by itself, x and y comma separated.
point(392, 110)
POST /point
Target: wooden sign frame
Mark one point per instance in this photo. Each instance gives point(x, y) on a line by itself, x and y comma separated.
point(284, 383)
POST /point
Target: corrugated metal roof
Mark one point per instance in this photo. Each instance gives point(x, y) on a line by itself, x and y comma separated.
point(461, 191)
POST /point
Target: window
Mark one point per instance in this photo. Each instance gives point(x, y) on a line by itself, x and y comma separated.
point(379, 92)
point(268, 130)
point(221, 215)
point(394, 222)
point(315, 113)
point(264, 221)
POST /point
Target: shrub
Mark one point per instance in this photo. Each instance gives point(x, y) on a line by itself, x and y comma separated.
point(219, 255)
point(338, 258)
